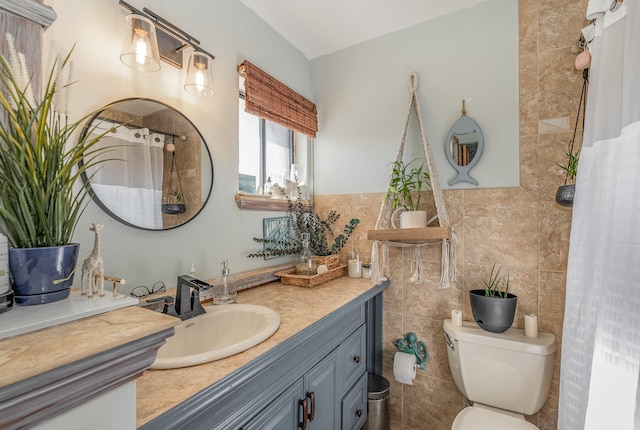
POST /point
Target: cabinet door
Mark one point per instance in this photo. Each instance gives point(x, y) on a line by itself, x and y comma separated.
point(323, 395)
point(354, 405)
point(284, 413)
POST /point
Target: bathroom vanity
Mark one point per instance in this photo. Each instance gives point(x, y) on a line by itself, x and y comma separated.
point(317, 361)
point(91, 371)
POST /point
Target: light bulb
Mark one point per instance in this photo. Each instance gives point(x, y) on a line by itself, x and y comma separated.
point(141, 50)
point(199, 81)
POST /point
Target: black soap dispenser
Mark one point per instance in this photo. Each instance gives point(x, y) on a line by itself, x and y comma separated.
point(224, 288)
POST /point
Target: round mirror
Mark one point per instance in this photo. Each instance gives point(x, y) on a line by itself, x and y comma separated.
point(463, 146)
point(157, 173)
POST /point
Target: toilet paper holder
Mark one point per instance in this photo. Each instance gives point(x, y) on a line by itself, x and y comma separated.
point(411, 345)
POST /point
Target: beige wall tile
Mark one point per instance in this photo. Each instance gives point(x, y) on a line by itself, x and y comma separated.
point(560, 83)
point(529, 164)
point(558, 24)
point(528, 87)
point(431, 403)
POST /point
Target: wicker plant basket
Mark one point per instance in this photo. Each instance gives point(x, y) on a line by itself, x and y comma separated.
point(331, 261)
point(289, 277)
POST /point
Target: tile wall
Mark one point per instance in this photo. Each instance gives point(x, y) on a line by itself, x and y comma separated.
point(521, 228)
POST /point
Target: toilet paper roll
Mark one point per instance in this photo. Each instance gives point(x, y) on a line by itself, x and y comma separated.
point(354, 269)
point(404, 367)
point(456, 318)
point(531, 326)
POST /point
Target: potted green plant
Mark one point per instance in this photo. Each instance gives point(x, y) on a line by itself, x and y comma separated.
point(407, 181)
point(323, 241)
point(494, 307)
point(174, 204)
point(566, 192)
point(38, 169)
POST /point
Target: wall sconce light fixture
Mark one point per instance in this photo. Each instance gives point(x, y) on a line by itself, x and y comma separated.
point(152, 38)
point(199, 79)
point(140, 45)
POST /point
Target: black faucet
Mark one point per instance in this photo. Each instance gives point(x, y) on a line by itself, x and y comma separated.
point(188, 297)
point(164, 304)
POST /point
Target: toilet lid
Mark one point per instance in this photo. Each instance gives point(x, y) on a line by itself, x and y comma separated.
point(478, 418)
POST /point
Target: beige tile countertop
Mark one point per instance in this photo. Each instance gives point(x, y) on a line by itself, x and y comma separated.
point(37, 352)
point(299, 307)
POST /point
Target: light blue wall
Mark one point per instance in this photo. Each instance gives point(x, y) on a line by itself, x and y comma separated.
point(362, 98)
point(360, 92)
point(232, 33)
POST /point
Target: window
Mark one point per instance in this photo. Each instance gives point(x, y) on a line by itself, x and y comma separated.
point(266, 153)
point(277, 127)
point(272, 158)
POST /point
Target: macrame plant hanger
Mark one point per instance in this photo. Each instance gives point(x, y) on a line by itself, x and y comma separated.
point(445, 235)
point(174, 201)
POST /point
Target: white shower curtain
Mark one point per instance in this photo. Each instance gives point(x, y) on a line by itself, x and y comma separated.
point(599, 379)
point(130, 185)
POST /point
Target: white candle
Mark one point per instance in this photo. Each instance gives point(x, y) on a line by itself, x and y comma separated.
point(456, 318)
point(354, 269)
point(531, 326)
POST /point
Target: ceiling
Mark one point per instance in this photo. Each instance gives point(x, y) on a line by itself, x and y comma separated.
point(322, 27)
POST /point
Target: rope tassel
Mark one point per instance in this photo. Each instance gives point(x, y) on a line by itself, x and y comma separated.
point(416, 266)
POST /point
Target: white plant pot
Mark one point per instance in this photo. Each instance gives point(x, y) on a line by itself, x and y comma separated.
point(409, 219)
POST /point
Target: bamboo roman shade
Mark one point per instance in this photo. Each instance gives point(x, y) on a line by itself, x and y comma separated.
point(270, 99)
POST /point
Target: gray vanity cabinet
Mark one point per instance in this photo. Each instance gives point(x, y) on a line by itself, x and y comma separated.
point(320, 371)
point(323, 387)
point(313, 395)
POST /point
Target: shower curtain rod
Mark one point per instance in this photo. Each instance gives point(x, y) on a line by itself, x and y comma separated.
point(151, 130)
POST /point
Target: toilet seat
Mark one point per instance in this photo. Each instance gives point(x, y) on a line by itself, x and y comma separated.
point(481, 417)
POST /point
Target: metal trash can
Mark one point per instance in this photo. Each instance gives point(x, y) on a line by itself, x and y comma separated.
point(378, 414)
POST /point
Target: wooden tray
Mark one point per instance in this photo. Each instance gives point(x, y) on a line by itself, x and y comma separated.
point(289, 277)
point(331, 261)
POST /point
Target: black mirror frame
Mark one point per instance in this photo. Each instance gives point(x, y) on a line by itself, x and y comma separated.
point(86, 182)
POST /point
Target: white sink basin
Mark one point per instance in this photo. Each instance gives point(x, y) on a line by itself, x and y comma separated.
point(223, 331)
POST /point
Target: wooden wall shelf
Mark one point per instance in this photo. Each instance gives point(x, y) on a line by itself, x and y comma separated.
point(410, 235)
point(254, 202)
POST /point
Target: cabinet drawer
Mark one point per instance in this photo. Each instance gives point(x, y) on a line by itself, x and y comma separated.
point(354, 405)
point(353, 356)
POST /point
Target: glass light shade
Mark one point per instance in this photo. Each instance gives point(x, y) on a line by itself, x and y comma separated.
point(199, 79)
point(140, 45)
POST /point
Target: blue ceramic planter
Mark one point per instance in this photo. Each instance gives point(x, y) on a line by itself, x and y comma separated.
point(41, 275)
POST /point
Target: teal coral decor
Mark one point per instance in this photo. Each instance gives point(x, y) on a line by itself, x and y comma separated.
point(410, 345)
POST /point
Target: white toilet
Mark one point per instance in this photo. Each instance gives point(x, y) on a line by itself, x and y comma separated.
point(505, 375)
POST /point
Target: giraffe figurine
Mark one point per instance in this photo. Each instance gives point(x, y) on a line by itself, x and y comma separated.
point(93, 267)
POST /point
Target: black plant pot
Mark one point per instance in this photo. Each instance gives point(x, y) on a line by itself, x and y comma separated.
point(564, 195)
point(173, 208)
point(494, 314)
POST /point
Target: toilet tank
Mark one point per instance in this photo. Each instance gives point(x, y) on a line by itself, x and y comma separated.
point(505, 370)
